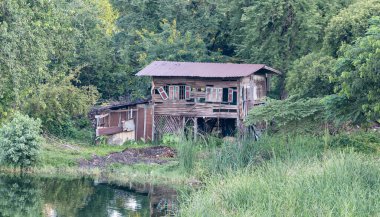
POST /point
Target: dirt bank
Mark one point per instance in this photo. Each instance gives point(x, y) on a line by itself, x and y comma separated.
point(148, 155)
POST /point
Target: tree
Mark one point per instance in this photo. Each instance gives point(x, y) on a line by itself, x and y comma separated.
point(200, 17)
point(41, 46)
point(349, 24)
point(169, 44)
point(95, 48)
point(359, 71)
point(20, 141)
point(310, 75)
point(290, 115)
point(276, 32)
point(23, 51)
point(58, 103)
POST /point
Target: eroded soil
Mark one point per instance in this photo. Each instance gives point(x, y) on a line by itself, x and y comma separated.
point(148, 155)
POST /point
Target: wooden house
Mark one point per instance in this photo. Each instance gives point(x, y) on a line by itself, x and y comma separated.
point(123, 121)
point(205, 97)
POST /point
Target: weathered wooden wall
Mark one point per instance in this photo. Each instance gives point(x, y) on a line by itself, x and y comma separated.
point(252, 91)
point(170, 113)
point(142, 116)
point(194, 109)
point(144, 123)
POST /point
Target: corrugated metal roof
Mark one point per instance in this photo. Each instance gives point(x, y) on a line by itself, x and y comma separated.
point(206, 70)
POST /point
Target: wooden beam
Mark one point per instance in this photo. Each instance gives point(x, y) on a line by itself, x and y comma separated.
point(153, 123)
point(195, 128)
point(109, 130)
point(145, 123)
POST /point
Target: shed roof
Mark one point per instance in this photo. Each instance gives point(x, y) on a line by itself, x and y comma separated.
point(206, 70)
point(119, 105)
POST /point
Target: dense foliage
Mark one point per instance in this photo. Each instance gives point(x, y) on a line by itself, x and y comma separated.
point(310, 76)
point(359, 69)
point(20, 141)
point(295, 114)
point(59, 57)
point(349, 24)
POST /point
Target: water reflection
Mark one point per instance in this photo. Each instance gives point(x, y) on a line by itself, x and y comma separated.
point(51, 197)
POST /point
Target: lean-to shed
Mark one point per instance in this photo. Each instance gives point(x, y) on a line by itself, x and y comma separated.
point(123, 121)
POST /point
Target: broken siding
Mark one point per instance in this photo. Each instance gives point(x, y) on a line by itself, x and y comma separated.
point(260, 86)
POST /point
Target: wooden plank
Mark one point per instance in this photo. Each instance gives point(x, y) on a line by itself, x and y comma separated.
point(144, 123)
point(195, 129)
point(108, 130)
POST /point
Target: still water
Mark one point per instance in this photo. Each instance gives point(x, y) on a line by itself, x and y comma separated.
point(52, 197)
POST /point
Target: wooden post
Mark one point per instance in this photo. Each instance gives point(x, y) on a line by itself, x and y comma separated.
point(183, 124)
point(144, 122)
point(153, 123)
point(195, 128)
point(119, 124)
point(153, 115)
point(238, 126)
point(137, 123)
point(109, 119)
point(239, 104)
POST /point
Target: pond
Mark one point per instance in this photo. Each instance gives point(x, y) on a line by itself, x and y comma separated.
point(53, 197)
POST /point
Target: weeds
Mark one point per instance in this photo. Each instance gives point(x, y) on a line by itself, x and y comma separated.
point(343, 185)
point(187, 155)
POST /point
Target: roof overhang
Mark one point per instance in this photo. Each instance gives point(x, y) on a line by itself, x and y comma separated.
point(203, 70)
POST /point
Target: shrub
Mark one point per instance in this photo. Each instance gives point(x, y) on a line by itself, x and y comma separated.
point(367, 142)
point(20, 141)
point(170, 139)
point(290, 115)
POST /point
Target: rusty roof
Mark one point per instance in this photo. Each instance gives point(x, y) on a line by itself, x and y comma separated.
point(206, 70)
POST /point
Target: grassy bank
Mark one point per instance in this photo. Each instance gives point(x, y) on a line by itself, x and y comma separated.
point(59, 158)
point(286, 175)
point(281, 175)
point(338, 184)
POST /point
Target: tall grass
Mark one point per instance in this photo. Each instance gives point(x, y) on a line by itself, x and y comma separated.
point(337, 185)
point(187, 155)
point(237, 155)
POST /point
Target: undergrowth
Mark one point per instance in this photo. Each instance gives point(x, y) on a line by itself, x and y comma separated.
point(340, 184)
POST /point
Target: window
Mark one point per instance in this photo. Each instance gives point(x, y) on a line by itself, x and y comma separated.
point(228, 95)
point(162, 93)
point(214, 94)
point(179, 92)
point(209, 94)
point(187, 92)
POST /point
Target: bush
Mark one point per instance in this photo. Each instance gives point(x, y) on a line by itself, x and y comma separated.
point(367, 142)
point(20, 141)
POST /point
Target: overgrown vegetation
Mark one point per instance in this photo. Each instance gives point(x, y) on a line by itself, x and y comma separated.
point(336, 185)
point(20, 141)
point(289, 175)
point(58, 58)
